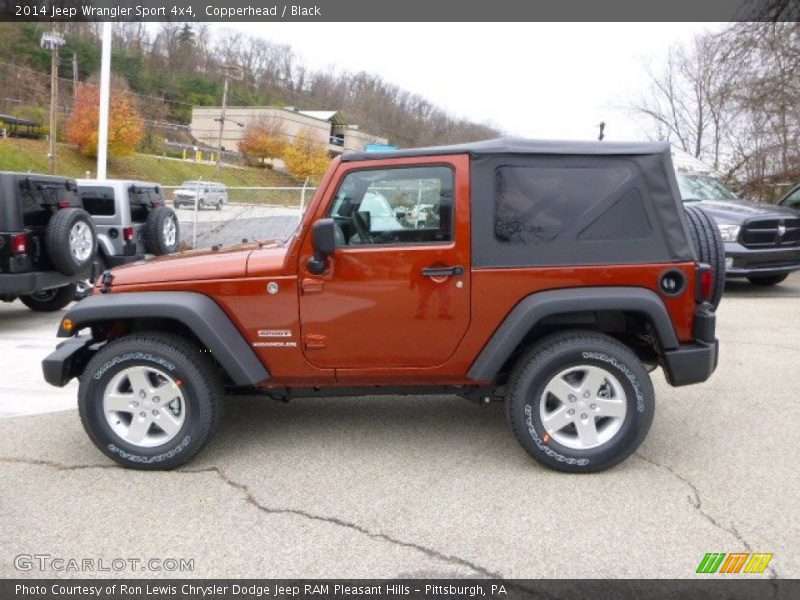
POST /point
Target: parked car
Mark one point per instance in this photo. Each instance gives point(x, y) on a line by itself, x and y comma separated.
point(792, 199)
point(203, 193)
point(557, 276)
point(131, 221)
point(762, 241)
point(47, 240)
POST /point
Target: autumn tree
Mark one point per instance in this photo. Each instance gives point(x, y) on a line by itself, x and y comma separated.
point(263, 139)
point(730, 99)
point(306, 157)
point(125, 125)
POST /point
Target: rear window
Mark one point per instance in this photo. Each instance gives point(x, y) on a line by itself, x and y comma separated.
point(533, 205)
point(36, 198)
point(98, 201)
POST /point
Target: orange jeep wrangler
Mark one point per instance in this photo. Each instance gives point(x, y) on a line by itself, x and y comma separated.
point(551, 275)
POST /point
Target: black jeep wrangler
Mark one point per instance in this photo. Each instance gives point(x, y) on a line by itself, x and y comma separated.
point(47, 241)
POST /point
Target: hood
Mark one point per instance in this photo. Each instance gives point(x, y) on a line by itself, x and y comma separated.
point(737, 212)
point(194, 265)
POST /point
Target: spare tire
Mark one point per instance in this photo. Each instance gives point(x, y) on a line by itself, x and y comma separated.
point(162, 231)
point(709, 248)
point(71, 240)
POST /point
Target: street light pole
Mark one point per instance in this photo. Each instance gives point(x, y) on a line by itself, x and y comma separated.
point(105, 100)
point(53, 41)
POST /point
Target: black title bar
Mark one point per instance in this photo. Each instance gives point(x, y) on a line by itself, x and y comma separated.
point(400, 11)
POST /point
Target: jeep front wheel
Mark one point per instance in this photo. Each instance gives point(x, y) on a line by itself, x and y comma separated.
point(150, 401)
point(580, 401)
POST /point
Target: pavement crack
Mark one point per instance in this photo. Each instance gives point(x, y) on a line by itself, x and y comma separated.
point(697, 502)
point(52, 464)
point(375, 535)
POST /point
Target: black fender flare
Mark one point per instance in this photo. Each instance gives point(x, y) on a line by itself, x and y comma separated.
point(198, 312)
point(540, 305)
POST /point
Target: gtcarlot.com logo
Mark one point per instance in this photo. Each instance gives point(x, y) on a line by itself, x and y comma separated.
point(734, 562)
point(71, 564)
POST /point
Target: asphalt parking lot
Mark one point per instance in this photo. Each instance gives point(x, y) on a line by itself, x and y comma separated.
point(236, 222)
point(424, 487)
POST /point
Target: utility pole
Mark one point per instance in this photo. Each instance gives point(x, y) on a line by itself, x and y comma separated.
point(228, 71)
point(52, 41)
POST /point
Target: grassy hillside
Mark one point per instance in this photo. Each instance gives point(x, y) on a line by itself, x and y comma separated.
point(31, 155)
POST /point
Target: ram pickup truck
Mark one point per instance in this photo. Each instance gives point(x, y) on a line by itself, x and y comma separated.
point(549, 275)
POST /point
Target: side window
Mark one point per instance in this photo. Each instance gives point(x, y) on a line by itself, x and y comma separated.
point(793, 200)
point(404, 205)
point(98, 201)
point(533, 205)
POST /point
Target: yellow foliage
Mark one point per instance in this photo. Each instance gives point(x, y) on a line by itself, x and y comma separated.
point(305, 157)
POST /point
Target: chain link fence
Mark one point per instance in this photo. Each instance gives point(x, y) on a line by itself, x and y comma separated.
point(211, 214)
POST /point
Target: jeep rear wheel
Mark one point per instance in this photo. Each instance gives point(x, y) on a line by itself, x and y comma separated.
point(709, 247)
point(49, 300)
point(150, 401)
point(580, 402)
point(161, 233)
point(71, 240)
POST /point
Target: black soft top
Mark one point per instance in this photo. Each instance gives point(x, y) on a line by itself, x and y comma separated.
point(556, 203)
point(511, 145)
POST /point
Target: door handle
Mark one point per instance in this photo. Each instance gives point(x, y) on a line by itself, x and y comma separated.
point(442, 271)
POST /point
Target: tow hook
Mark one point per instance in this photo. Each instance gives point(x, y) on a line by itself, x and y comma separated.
point(106, 280)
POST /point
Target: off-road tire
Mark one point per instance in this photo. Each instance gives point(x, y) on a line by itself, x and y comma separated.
point(709, 247)
point(767, 280)
point(57, 240)
point(182, 360)
point(154, 240)
point(50, 300)
point(550, 356)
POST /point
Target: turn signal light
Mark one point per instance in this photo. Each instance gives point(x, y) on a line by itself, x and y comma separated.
point(705, 284)
point(67, 324)
point(127, 234)
point(19, 244)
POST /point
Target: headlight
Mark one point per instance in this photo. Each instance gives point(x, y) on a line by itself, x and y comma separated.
point(729, 233)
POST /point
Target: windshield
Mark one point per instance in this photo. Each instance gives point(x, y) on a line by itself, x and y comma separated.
point(702, 187)
point(191, 184)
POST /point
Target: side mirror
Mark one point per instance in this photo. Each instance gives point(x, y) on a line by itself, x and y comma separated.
point(323, 238)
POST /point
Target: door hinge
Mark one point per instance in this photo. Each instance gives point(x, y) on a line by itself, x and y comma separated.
point(311, 286)
point(315, 341)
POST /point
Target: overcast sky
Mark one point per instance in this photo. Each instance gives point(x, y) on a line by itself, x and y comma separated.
point(543, 80)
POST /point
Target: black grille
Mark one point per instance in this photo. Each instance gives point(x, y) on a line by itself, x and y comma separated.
point(771, 233)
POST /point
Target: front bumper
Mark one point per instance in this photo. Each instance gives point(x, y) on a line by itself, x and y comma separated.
point(20, 284)
point(70, 356)
point(763, 261)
